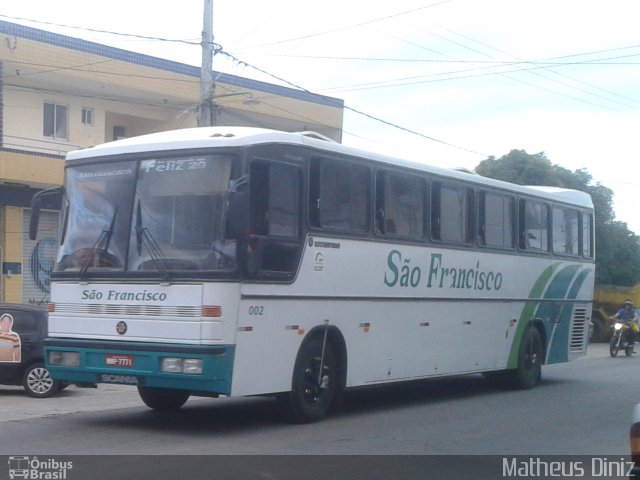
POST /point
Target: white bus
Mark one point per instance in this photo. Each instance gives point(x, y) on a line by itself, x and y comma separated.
point(240, 261)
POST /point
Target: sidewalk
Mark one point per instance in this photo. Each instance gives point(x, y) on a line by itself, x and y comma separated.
point(17, 405)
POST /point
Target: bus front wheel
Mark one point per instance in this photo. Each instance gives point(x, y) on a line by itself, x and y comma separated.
point(163, 399)
point(314, 384)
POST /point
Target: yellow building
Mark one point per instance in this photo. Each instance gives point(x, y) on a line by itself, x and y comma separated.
point(59, 93)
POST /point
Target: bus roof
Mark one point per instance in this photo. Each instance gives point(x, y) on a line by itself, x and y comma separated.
point(206, 137)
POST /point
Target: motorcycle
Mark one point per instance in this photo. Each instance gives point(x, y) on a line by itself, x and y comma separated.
point(619, 340)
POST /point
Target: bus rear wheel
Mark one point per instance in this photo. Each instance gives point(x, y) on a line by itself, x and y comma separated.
point(314, 386)
point(529, 371)
point(162, 399)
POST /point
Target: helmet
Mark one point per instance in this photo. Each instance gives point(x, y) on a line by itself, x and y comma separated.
point(628, 302)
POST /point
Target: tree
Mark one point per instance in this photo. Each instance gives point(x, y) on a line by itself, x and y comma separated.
point(617, 248)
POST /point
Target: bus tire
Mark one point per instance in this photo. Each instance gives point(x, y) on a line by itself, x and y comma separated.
point(312, 391)
point(530, 355)
point(161, 399)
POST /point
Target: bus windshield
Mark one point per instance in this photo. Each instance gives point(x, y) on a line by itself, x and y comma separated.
point(154, 215)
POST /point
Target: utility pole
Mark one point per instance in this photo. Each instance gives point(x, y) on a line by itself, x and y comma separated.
point(206, 114)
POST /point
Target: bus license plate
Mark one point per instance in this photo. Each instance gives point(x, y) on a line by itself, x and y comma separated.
point(119, 379)
point(118, 360)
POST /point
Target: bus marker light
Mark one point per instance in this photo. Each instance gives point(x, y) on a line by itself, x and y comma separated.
point(301, 331)
point(292, 327)
point(365, 327)
point(51, 307)
point(245, 329)
point(211, 311)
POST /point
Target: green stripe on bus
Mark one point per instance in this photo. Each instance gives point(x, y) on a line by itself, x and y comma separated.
point(528, 310)
point(564, 285)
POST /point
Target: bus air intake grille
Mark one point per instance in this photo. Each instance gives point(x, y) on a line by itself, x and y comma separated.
point(578, 330)
point(130, 310)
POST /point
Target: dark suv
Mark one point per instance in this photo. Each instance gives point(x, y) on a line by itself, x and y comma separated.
point(22, 332)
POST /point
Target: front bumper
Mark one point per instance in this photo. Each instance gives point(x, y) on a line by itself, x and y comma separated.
point(138, 364)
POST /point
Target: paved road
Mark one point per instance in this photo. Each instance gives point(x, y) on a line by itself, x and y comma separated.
point(581, 408)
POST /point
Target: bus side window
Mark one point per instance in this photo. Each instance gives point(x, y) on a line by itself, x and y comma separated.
point(534, 226)
point(400, 201)
point(452, 215)
point(565, 231)
point(275, 219)
point(587, 235)
point(496, 220)
point(339, 195)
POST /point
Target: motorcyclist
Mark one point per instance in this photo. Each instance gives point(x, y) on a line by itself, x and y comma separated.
point(629, 316)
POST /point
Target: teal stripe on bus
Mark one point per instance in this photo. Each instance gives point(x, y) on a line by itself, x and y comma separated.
point(528, 311)
point(556, 318)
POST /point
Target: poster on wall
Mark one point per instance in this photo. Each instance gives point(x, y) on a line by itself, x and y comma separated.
point(10, 344)
point(38, 257)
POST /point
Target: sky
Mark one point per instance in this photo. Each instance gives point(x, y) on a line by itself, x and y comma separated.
point(450, 82)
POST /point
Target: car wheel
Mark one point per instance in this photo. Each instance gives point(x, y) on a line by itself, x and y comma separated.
point(37, 381)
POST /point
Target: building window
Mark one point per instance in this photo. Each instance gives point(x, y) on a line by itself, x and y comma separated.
point(87, 116)
point(119, 132)
point(55, 121)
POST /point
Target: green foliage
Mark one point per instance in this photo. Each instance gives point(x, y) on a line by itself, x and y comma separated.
point(617, 248)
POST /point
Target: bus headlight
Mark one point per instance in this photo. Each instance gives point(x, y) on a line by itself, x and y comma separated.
point(189, 366)
point(192, 366)
point(171, 365)
point(64, 359)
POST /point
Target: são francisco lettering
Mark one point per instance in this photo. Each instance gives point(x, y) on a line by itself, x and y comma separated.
point(144, 296)
point(403, 273)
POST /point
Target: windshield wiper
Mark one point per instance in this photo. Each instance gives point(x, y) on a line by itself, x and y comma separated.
point(103, 238)
point(145, 238)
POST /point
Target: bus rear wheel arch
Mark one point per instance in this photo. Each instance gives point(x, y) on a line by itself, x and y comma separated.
point(531, 355)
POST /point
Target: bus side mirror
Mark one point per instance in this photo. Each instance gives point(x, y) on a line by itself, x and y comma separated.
point(36, 205)
point(237, 215)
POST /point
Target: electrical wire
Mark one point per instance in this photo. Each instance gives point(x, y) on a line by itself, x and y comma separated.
point(349, 27)
point(108, 32)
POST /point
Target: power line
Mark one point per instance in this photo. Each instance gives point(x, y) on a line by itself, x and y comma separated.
point(550, 70)
point(518, 70)
point(96, 30)
point(347, 107)
point(542, 63)
point(419, 80)
point(349, 27)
